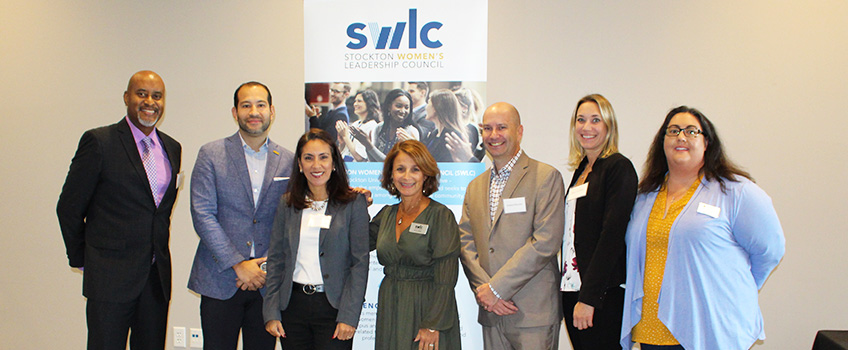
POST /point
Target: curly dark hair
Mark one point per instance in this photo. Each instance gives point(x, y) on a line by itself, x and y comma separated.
point(716, 167)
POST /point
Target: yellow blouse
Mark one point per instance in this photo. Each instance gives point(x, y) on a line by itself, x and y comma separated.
point(650, 330)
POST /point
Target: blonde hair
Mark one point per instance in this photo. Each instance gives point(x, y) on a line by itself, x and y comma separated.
point(610, 147)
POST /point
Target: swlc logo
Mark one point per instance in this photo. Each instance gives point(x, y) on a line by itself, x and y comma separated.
point(381, 35)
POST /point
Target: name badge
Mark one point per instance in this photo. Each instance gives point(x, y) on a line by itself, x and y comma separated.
point(577, 192)
point(322, 221)
point(708, 210)
point(514, 205)
point(420, 229)
point(180, 179)
point(280, 178)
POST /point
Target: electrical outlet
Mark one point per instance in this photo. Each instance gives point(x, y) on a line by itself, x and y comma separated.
point(179, 337)
point(196, 338)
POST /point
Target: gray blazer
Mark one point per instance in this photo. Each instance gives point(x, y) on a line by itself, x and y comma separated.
point(223, 212)
point(343, 253)
point(517, 252)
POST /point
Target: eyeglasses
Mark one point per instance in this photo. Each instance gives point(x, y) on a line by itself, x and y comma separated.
point(336, 91)
point(690, 131)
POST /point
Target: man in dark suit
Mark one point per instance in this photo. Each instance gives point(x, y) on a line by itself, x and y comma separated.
point(420, 93)
point(236, 185)
point(115, 216)
point(338, 111)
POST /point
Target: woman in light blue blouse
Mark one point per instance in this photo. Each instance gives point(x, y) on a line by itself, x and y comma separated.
point(701, 242)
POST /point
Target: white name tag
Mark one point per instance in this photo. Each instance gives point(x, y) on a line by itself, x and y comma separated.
point(708, 210)
point(577, 192)
point(280, 178)
point(322, 221)
point(420, 229)
point(514, 205)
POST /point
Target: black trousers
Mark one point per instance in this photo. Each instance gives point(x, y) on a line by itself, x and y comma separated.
point(606, 329)
point(222, 320)
point(146, 317)
point(660, 347)
point(309, 322)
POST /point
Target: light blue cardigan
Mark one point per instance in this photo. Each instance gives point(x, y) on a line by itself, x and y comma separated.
point(714, 270)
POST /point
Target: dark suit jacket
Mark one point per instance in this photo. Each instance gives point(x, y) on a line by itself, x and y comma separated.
point(224, 215)
point(343, 253)
point(328, 122)
point(600, 222)
point(108, 217)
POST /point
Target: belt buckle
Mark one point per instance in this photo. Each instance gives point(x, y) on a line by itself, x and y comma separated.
point(308, 289)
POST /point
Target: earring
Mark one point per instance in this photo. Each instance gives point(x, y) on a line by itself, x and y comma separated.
point(391, 187)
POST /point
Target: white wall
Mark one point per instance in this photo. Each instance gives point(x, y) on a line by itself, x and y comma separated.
point(770, 74)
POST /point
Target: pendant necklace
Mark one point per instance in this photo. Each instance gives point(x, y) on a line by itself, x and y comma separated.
point(401, 211)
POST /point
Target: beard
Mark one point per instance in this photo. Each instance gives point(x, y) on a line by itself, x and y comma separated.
point(243, 126)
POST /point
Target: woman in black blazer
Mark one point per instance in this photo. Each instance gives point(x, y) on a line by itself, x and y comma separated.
point(597, 210)
point(318, 256)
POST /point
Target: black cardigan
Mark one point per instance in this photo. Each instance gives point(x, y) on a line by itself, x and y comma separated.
point(600, 223)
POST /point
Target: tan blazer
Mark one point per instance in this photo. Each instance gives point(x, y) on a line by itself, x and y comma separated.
point(517, 252)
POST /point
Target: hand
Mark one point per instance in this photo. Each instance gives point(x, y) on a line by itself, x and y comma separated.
point(459, 148)
point(427, 340)
point(366, 192)
point(275, 327)
point(250, 276)
point(485, 297)
point(341, 128)
point(504, 307)
point(403, 135)
point(359, 135)
point(313, 111)
point(343, 331)
point(583, 314)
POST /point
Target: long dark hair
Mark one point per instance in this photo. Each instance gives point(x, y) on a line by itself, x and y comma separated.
point(372, 105)
point(446, 106)
point(338, 188)
point(388, 131)
point(717, 166)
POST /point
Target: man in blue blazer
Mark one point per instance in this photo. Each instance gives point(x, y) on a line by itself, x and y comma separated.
point(115, 216)
point(236, 185)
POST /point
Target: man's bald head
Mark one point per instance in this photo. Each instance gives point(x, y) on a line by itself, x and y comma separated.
point(505, 109)
point(145, 100)
point(502, 132)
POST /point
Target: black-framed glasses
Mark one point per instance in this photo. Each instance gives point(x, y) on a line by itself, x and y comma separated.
point(690, 131)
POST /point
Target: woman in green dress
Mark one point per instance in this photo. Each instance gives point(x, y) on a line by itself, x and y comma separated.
point(417, 242)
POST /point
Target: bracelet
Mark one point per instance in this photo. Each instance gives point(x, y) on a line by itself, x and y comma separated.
point(494, 291)
point(431, 330)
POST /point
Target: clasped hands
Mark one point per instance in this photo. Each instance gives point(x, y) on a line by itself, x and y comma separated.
point(492, 303)
point(343, 331)
point(248, 274)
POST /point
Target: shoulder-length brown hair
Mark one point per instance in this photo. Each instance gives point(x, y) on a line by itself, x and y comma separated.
point(419, 154)
point(338, 188)
point(717, 167)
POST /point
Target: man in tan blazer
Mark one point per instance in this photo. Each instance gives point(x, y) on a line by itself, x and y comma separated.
point(511, 231)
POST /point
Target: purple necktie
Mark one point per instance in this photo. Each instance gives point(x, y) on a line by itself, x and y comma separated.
point(150, 166)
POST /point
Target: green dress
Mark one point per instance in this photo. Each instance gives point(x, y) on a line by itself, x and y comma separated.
point(420, 275)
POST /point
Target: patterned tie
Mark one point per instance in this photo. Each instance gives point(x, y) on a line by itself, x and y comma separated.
point(150, 166)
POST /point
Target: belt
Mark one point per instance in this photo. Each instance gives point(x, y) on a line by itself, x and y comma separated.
point(309, 289)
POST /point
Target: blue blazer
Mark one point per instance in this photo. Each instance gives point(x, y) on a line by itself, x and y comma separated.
point(224, 215)
point(343, 255)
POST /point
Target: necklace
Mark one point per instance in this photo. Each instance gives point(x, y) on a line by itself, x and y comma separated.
point(317, 205)
point(407, 212)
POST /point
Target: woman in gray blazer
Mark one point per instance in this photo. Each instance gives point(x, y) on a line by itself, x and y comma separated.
point(318, 255)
